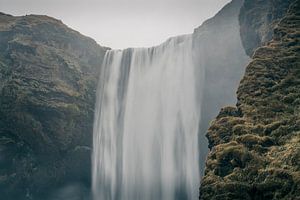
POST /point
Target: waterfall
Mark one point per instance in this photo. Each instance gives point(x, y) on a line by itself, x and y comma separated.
point(145, 140)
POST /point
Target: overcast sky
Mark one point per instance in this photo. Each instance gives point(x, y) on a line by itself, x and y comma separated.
point(122, 23)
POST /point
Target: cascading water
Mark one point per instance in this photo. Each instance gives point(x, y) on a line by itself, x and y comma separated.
point(145, 143)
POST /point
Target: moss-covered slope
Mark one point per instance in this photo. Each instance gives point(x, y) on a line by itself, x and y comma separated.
point(255, 147)
point(48, 75)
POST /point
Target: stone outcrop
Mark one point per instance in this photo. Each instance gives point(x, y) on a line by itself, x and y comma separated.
point(48, 78)
point(255, 146)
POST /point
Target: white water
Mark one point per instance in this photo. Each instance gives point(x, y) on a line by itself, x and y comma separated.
point(145, 144)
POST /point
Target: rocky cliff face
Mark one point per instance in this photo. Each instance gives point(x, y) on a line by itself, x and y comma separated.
point(48, 76)
point(47, 89)
point(255, 146)
point(219, 50)
point(258, 20)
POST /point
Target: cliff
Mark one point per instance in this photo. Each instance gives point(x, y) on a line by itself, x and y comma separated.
point(48, 76)
point(221, 62)
point(258, 20)
point(255, 146)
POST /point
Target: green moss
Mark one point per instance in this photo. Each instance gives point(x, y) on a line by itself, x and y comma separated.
point(249, 140)
point(227, 157)
point(240, 129)
point(259, 156)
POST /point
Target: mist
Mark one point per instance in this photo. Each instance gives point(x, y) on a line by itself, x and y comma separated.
point(122, 23)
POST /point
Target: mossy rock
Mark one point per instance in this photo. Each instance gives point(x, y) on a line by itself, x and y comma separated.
point(48, 79)
point(259, 157)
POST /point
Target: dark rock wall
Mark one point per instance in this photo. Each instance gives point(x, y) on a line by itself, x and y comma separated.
point(48, 76)
point(255, 146)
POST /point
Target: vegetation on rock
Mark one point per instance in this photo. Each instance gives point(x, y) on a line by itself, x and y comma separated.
point(48, 76)
point(255, 147)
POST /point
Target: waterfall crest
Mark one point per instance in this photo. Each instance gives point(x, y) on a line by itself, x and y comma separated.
point(145, 140)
